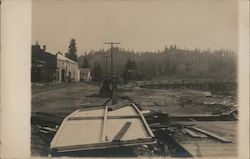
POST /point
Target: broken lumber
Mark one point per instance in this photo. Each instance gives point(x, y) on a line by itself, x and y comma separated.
point(158, 125)
point(150, 114)
point(212, 135)
point(101, 117)
point(105, 118)
point(122, 132)
point(119, 105)
point(193, 134)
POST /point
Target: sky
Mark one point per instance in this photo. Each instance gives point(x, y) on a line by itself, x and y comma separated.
point(139, 25)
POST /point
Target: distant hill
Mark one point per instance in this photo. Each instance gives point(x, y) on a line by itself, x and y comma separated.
point(169, 63)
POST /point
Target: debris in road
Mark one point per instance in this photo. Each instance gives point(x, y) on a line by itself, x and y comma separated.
point(119, 105)
point(122, 132)
point(210, 103)
point(43, 131)
point(117, 126)
point(48, 129)
point(207, 94)
point(159, 126)
point(212, 135)
point(192, 133)
point(162, 102)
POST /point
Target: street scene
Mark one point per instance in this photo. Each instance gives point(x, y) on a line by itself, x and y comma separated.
point(57, 103)
point(132, 88)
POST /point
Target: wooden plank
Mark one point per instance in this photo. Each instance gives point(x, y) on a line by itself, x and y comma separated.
point(119, 105)
point(193, 134)
point(105, 120)
point(144, 121)
point(193, 120)
point(211, 135)
point(59, 131)
point(197, 117)
point(122, 132)
point(158, 125)
point(104, 145)
point(101, 117)
point(123, 117)
point(189, 132)
point(101, 137)
point(150, 114)
point(192, 115)
point(230, 112)
point(85, 118)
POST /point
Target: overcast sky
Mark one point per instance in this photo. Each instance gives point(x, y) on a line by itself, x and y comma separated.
point(139, 25)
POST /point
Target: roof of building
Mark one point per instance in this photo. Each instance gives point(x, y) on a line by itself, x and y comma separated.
point(61, 57)
point(36, 50)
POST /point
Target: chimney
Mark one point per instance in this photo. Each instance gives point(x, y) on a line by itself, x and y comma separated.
point(37, 46)
point(44, 48)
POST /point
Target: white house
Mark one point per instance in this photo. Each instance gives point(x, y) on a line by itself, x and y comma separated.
point(67, 69)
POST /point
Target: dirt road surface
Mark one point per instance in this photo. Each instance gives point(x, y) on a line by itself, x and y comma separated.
point(68, 98)
point(65, 99)
point(180, 101)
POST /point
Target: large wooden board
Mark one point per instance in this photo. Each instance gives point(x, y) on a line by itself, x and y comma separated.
point(95, 129)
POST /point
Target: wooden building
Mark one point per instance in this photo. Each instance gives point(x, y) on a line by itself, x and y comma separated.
point(67, 69)
point(44, 65)
point(52, 68)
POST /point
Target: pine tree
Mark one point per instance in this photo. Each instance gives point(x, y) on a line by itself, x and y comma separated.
point(72, 54)
point(85, 63)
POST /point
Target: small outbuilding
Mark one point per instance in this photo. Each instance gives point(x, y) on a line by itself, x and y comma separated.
point(85, 75)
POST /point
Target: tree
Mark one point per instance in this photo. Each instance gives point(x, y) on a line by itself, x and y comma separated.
point(187, 67)
point(160, 70)
point(97, 73)
point(130, 70)
point(167, 67)
point(72, 54)
point(130, 65)
point(85, 63)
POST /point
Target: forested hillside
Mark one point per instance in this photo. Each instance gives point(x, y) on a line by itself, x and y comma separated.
point(170, 63)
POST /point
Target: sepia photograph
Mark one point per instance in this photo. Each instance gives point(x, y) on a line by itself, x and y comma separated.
point(134, 78)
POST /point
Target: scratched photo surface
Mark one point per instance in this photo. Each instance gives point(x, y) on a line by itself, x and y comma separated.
point(134, 78)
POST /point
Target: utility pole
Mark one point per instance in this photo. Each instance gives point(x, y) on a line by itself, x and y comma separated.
point(112, 78)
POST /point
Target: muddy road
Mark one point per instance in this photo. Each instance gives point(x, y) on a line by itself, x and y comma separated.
point(67, 99)
point(181, 101)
